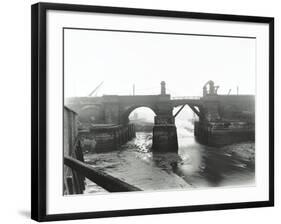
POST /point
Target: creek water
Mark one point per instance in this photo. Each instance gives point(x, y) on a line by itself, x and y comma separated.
point(194, 166)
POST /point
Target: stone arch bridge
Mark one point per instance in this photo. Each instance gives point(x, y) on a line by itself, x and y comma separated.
point(210, 108)
point(114, 109)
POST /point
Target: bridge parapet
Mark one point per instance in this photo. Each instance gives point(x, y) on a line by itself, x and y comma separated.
point(128, 99)
point(190, 102)
point(82, 100)
point(185, 98)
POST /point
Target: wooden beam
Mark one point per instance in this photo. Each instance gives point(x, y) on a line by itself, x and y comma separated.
point(102, 179)
point(194, 110)
point(179, 110)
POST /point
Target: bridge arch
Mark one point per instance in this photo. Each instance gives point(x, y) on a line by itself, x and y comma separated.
point(91, 114)
point(130, 109)
point(185, 118)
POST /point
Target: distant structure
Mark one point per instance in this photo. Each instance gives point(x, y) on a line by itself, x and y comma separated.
point(95, 90)
point(212, 90)
point(135, 116)
point(163, 88)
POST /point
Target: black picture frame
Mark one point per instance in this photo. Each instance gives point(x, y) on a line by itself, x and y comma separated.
point(39, 116)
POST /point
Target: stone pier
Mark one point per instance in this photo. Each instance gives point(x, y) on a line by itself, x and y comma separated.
point(164, 134)
point(106, 137)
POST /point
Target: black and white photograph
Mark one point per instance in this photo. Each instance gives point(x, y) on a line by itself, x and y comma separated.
point(152, 111)
point(122, 111)
point(145, 111)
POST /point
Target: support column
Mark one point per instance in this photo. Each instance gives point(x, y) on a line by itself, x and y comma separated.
point(164, 134)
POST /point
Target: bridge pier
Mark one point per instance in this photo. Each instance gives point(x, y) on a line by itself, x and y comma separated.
point(164, 134)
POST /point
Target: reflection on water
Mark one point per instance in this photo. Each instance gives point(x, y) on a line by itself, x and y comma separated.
point(208, 166)
point(194, 166)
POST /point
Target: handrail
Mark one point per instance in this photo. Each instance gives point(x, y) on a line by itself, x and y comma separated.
point(102, 179)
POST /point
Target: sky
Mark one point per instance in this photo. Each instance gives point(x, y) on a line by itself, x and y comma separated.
point(122, 59)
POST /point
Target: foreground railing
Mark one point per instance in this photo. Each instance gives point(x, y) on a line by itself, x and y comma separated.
point(102, 179)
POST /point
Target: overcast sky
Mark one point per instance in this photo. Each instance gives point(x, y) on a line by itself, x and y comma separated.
point(186, 63)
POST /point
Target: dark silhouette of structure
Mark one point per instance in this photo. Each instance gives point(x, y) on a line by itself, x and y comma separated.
point(215, 112)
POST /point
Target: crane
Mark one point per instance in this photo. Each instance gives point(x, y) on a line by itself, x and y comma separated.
point(98, 86)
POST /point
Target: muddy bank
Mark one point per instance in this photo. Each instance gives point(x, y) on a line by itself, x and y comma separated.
point(137, 168)
point(195, 165)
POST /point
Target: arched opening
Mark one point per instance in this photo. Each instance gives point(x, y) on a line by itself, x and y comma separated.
point(184, 121)
point(189, 150)
point(143, 120)
point(90, 114)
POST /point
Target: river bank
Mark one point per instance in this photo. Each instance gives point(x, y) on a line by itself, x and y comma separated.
point(195, 165)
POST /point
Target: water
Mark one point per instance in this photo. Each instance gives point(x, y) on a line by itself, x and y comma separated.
point(194, 166)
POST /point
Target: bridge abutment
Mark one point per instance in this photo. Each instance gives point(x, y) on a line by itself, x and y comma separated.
point(164, 134)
